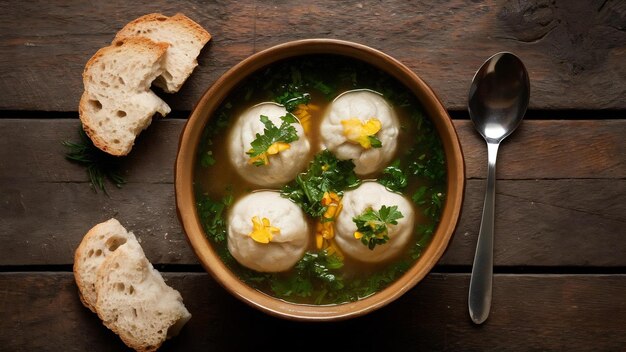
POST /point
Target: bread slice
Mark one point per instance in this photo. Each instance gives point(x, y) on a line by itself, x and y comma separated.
point(185, 38)
point(135, 302)
point(102, 240)
point(117, 103)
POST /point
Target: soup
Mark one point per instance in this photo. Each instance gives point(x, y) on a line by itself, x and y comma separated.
point(338, 252)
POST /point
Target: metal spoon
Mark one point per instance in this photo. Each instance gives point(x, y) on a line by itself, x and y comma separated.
point(497, 102)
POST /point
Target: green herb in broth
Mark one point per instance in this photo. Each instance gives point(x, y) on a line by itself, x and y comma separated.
point(212, 216)
point(393, 177)
point(207, 159)
point(326, 173)
point(430, 165)
point(320, 277)
point(296, 79)
point(291, 99)
point(217, 125)
point(312, 267)
point(364, 287)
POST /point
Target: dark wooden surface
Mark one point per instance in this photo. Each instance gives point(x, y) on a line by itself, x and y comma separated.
point(560, 251)
point(530, 312)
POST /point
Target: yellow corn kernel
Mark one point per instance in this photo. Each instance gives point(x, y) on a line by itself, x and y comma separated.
point(330, 197)
point(302, 112)
point(334, 249)
point(358, 235)
point(326, 199)
point(319, 240)
point(328, 231)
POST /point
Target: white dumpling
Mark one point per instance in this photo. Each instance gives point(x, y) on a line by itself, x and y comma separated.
point(363, 105)
point(282, 167)
point(287, 245)
point(355, 202)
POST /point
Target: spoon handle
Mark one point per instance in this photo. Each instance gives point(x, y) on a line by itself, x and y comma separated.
point(479, 300)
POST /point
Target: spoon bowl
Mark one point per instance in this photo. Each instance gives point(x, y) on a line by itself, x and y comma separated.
point(498, 99)
point(499, 96)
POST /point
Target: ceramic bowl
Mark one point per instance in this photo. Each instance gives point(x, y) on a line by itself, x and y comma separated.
point(186, 159)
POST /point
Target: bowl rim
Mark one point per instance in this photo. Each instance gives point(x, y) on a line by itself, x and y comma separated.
point(185, 163)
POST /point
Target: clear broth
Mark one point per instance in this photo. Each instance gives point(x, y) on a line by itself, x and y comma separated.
point(323, 77)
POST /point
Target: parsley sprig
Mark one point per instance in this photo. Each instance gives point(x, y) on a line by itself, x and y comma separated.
point(372, 225)
point(99, 165)
point(285, 133)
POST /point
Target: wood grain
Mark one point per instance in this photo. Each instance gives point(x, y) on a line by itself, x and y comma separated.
point(539, 149)
point(539, 223)
point(561, 197)
point(529, 312)
point(574, 51)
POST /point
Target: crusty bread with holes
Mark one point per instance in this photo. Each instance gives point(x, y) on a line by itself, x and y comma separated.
point(116, 281)
point(102, 240)
point(117, 103)
point(185, 38)
point(135, 302)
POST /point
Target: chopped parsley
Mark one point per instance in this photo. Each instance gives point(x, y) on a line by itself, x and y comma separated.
point(291, 98)
point(207, 159)
point(218, 124)
point(372, 225)
point(394, 177)
point(212, 216)
point(314, 270)
point(326, 173)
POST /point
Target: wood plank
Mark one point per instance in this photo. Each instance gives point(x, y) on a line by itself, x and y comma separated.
point(540, 149)
point(574, 51)
point(547, 223)
point(529, 312)
point(43, 223)
point(538, 222)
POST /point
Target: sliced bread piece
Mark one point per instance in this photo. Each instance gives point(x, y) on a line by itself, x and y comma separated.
point(117, 103)
point(185, 37)
point(135, 302)
point(102, 240)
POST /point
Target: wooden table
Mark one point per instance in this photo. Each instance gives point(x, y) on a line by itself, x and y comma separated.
point(560, 255)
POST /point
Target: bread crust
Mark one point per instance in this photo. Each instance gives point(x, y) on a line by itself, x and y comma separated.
point(124, 262)
point(153, 26)
point(130, 29)
point(83, 251)
point(142, 46)
point(135, 36)
point(78, 257)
